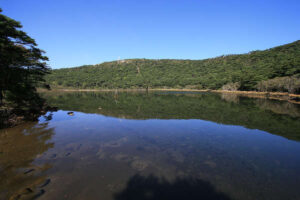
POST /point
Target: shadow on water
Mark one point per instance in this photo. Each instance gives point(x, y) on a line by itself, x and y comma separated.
point(153, 188)
point(20, 177)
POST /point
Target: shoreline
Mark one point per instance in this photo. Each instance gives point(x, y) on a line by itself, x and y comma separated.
point(11, 117)
point(282, 96)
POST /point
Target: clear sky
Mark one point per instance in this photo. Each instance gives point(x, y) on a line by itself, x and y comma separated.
point(78, 32)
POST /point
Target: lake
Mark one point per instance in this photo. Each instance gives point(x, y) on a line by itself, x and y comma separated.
point(156, 145)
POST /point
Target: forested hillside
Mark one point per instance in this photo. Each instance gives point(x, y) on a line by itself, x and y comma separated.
point(257, 70)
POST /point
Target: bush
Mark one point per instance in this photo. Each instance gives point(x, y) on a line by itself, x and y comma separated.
point(289, 84)
point(231, 86)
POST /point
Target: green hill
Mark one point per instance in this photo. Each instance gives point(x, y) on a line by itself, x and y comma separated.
point(257, 70)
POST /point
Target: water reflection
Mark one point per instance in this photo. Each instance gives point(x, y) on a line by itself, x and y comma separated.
point(154, 188)
point(154, 146)
point(281, 118)
point(95, 156)
point(21, 177)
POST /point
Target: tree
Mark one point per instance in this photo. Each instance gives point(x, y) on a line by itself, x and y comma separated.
point(22, 64)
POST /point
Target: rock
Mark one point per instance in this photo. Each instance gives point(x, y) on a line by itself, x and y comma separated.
point(71, 113)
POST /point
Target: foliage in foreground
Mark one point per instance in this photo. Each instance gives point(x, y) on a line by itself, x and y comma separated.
point(22, 66)
point(243, 72)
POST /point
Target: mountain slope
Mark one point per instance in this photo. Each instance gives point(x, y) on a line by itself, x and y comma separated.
point(246, 70)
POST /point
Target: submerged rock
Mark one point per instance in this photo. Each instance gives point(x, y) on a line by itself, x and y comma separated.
point(67, 154)
point(28, 171)
point(38, 194)
point(45, 183)
point(139, 165)
point(210, 163)
point(100, 154)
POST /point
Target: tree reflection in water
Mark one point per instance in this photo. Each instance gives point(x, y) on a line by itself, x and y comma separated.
point(20, 178)
point(154, 188)
point(276, 117)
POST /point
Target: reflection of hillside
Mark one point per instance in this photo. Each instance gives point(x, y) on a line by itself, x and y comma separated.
point(272, 116)
point(284, 107)
point(20, 178)
point(230, 97)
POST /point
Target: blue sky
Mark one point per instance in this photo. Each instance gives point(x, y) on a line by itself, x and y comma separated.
point(78, 32)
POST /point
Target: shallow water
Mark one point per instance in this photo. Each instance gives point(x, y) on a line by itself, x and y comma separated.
point(160, 145)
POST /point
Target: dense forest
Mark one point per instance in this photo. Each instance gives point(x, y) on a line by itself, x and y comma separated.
point(275, 69)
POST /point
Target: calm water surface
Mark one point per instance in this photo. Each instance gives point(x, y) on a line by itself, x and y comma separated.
point(162, 145)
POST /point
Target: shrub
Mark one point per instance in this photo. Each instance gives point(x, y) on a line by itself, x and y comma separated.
point(231, 86)
point(289, 84)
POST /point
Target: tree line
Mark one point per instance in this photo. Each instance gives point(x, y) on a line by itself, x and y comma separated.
point(249, 71)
